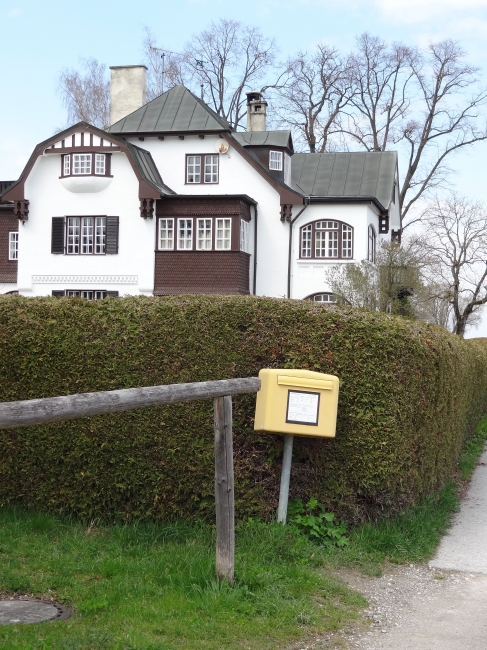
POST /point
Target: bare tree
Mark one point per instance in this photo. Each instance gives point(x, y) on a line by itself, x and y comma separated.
point(455, 245)
point(227, 59)
point(428, 104)
point(318, 87)
point(86, 95)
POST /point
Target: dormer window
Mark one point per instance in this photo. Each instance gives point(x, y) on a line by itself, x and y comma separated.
point(85, 164)
point(275, 160)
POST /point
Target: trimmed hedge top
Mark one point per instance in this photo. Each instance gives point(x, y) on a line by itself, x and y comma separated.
point(409, 395)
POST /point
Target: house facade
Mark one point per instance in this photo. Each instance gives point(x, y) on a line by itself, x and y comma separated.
point(171, 200)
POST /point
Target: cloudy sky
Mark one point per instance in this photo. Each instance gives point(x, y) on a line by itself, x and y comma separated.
point(39, 39)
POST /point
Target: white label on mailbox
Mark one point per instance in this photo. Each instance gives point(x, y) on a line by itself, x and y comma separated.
point(302, 407)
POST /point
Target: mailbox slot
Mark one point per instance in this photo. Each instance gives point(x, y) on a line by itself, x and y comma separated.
point(304, 382)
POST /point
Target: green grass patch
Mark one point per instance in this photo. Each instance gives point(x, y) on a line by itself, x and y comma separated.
point(473, 449)
point(152, 586)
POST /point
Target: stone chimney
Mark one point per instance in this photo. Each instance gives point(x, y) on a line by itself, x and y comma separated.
point(127, 90)
point(256, 111)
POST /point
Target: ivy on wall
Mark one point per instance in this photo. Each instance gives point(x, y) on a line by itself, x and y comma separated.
point(409, 395)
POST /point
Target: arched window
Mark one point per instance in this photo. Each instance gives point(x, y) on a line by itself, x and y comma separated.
point(326, 240)
point(372, 245)
point(322, 297)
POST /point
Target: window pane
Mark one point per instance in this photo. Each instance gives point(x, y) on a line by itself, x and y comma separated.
point(73, 236)
point(13, 246)
point(346, 241)
point(327, 225)
point(194, 169)
point(287, 169)
point(100, 163)
point(82, 163)
point(87, 235)
point(166, 234)
point(332, 243)
point(245, 236)
point(203, 241)
point(211, 169)
point(324, 297)
point(275, 160)
point(223, 234)
point(67, 165)
point(100, 235)
point(185, 234)
point(306, 233)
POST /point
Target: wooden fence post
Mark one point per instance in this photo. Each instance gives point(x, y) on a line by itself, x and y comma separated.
point(224, 489)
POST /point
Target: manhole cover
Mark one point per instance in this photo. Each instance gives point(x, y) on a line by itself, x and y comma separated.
point(29, 611)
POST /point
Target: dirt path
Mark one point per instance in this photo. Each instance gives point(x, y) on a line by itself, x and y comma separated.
point(441, 605)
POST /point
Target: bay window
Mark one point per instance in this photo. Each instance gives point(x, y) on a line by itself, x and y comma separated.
point(85, 164)
point(200, 234)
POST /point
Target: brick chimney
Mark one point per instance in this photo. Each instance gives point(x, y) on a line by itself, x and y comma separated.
point(127, 90)
point(256, 111)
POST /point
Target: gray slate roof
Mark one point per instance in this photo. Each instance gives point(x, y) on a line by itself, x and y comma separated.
point(359, 174)
point(176, 110)
point(148, 169)
point(267, 138)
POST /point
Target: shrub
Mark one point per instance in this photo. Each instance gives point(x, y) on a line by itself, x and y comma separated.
point(410, 394)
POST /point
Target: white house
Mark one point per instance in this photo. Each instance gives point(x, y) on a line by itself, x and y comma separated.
point(171, 200)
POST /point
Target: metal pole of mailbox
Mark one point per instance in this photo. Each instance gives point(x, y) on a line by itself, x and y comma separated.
point(285, 478)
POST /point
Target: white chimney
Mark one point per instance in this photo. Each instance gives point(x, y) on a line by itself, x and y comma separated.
point(127, 90)
point(256, 111)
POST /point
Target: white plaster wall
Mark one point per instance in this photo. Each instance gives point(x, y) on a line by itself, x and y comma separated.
point(48, 198)
point(236, 177)
point(7, 287)
point(308, 275)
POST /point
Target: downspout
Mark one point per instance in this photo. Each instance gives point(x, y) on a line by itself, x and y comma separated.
point(255, 250)
point(291, 223)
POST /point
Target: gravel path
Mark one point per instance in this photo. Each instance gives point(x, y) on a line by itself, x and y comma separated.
point(437, 606)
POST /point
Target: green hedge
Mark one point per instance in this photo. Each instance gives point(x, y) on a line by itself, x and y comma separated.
point(410, 394)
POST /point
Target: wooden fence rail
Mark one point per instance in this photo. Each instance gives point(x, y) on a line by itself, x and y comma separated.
point(71, 407)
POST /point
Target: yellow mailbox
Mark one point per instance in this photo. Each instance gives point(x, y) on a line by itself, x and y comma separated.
point(297, 402)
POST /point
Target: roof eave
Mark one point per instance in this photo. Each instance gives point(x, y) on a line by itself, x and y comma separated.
point(348, 199)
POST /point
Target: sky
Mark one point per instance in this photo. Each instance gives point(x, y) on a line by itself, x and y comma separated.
point(40, 39)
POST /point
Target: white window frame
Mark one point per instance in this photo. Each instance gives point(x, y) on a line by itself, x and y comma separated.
point(275, 160)
point(245, 236)
point(306, 240)
point(82, 163)
point(13, 245)
point(166, 234)
point(204, 234)
point(287, 169)
point(193, 176)
point(67, 165)
point(325, 297)
point(100, 164)
point(86, 235)
point(371, 244)
point(185, 234)
point(88, 294)
point(223, 234)
point(211, 171)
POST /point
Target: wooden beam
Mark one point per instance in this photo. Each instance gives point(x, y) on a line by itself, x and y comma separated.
point(224, 490)
point(72, 407)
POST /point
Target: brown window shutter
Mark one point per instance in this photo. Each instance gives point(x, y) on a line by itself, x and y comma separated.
point(112, 236)
point(58, 293)
point(57, 236)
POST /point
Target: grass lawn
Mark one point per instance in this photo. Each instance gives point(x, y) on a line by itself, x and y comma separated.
point(152, 586)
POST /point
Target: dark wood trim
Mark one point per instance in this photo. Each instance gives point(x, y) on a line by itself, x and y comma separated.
point(202, 168)
point(88, 149)
point(313, 240)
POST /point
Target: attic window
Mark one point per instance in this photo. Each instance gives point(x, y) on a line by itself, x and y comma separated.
point(85, 164)
point(275, 160)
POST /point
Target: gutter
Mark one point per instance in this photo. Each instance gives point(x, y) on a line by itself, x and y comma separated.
point(291, 223)
point(254, 287)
